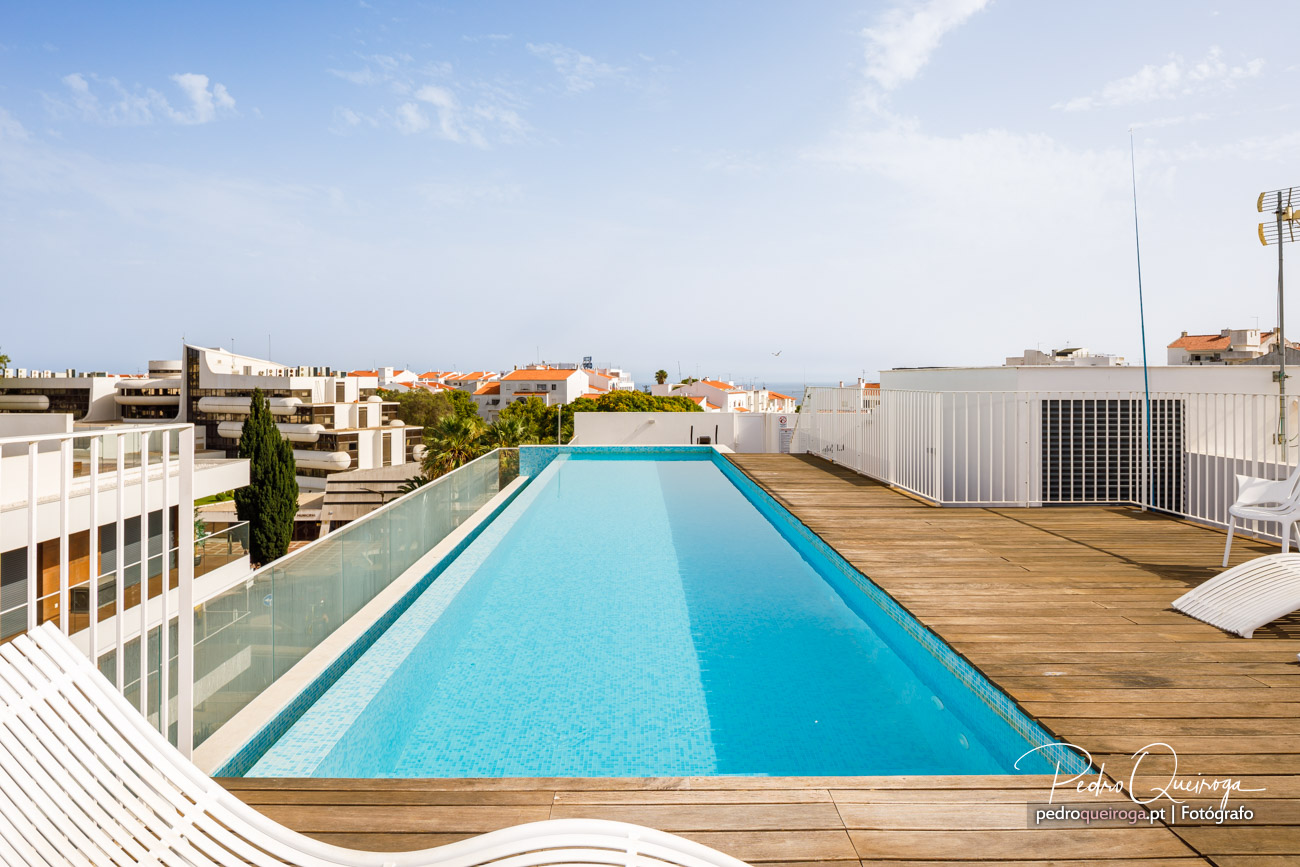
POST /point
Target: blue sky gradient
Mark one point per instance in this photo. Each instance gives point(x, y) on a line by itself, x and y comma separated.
point(858, 185)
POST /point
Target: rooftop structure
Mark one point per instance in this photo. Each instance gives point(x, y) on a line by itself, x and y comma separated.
point(334, 423)
point(1075, 356)
point(726, 396)
point(1229, 346)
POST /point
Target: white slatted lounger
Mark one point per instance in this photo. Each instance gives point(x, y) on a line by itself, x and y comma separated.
point(84, 780)
point(1248, 596)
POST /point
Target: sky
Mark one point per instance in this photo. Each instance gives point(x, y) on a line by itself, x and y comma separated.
point(754, 190)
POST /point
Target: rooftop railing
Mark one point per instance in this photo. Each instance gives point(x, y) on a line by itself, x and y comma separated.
point(249, 636)
point(1015, 448)
point(220, 548)
point(111, 584)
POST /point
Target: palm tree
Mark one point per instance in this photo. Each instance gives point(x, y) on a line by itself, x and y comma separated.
point(510, 432)
point(451, 443)
point(661, 376)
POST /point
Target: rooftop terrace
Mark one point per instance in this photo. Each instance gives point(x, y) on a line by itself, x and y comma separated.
point(1065, 608)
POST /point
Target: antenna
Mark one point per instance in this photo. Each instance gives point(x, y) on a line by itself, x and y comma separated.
point(1282, 231)
point(1142, 316)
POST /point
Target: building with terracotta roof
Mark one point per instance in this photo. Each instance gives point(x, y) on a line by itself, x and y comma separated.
point(472, 381)
point(552, 385)
point(726, 396)
point(488, 400)
point(1229, 346)
point(766, 400)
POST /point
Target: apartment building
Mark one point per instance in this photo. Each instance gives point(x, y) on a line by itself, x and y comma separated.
point(74, 520)
point(1229, 346)
point(488, 400)
point(1073, 356)
point(335, 423)
point(472, 381)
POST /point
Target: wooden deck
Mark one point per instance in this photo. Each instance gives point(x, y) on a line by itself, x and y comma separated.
point(1066, 609)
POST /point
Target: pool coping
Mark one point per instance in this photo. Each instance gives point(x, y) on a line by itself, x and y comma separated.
point(232, 749)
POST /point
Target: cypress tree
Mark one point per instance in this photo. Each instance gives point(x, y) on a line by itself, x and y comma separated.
point(270, 500)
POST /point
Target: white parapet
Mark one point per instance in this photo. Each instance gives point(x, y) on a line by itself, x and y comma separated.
point(147, 399)
point(32, 402)
point(294, 433)
point(279, 405)
point(313, 460)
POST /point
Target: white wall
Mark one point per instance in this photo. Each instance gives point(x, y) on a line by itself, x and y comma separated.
point(653, 428)
point(760, 432)
point(748, 432)
point(1233, 379)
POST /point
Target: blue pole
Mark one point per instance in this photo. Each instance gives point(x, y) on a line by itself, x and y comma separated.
point(1142, 319)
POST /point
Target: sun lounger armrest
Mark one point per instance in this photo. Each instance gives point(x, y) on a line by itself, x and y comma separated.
point(1252, 491)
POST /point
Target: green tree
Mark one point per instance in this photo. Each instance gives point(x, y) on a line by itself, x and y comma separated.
point(422, 408)
point(533, 415)
point(637, 401)
point(270, 500)
point(463, 404)
point(688, 380)
point(451, 443)
point(677, 403)
point(4, 361)
point(661, 376)
point(508, 433)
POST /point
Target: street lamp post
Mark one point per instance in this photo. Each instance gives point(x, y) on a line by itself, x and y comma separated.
point(1282, 231)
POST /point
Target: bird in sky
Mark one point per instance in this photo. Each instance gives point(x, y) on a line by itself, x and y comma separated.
point(778, 352)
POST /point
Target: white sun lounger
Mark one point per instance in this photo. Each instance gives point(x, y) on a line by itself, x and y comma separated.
point(1248, 596)
point(85, 780)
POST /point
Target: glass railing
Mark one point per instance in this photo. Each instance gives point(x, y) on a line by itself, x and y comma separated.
point(249, 636)
point(217, 549)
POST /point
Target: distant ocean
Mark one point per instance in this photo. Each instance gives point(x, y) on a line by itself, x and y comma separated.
point(794, 389)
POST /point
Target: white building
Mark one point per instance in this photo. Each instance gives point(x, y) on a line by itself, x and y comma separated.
point(550, 385)
point(72, 537)
point(91, 398)
point(1229, 346)
point(335, 423)
point(488, 400)
point(726, 396)
point(620, 379)
point(1075, 356)
point(472, 381)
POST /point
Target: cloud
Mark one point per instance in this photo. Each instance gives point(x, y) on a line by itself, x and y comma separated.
point(410, 119)
point(1171, 80)
point(473, 113)
point(901, 42)
point(579, 71)
point(205, 102)
point(10, 128)
point(114, 105)
point(447, 107)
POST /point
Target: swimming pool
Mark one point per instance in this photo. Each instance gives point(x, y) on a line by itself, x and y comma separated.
point(653, 614)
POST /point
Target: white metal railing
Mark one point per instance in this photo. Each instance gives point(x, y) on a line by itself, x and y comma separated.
point(61, 481)
point(1012, 448)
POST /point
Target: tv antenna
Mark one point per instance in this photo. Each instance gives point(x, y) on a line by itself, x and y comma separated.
point(1282, 230)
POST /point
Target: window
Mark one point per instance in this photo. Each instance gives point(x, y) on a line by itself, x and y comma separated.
point(552, 386)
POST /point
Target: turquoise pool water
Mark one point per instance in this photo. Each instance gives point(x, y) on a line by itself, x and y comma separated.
point(650, 615)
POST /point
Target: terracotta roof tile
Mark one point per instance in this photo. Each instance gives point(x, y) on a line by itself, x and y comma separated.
point(548, 375)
